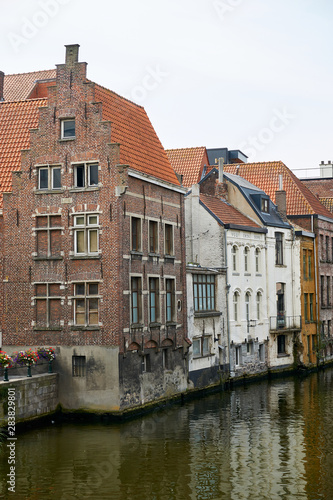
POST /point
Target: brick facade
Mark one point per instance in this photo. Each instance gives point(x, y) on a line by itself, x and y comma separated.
point(68, 257)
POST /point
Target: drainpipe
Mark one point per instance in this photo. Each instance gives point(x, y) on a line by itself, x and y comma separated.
point(227, 296)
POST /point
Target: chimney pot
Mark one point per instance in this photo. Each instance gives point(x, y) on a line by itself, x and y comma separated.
point(2, 80)
point(72, 54)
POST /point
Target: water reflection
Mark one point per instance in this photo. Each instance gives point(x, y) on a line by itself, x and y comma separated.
point(265, 441)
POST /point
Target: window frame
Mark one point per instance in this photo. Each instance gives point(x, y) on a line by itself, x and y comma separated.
point(168, 240)
point(86, 166)
point(50, 169)
point(279, 249)
point(154, 299)
point(170, 300)
point(204, 346)
point(265, 205)
point(281, 344)
point(48, 297)
point(87, 298)
point(234, 256)
point(48, 229)
point(87, 229)
point(62, 129)
point(153, 240)
point(246, 259)
point(136, 306)
point(257, 260)
point(79, 366)
point(204, 292)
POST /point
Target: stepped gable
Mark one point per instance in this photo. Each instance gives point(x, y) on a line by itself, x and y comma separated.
point(140, 148)
point(188, 162)
point(265, 175)
point(226, 213)
point(16, 120)
point(20, 86)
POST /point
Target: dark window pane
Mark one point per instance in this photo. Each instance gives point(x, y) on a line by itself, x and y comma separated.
point(69, 128)
point(79, 176)
point(56, 178)
point(93, 175)
point(43, 178)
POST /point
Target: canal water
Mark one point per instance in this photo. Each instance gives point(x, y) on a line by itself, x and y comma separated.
point(271, 440)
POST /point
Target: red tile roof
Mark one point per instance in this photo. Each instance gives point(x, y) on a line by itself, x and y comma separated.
point(16, 120)
point(139, 145)
point(188, 162)
point(18, 87)
point(300, 200)
point(226, 212)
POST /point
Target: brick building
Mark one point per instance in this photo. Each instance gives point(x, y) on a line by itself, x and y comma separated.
point(92, 239)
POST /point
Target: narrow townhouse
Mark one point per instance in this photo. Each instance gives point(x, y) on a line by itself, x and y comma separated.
point(93, 240)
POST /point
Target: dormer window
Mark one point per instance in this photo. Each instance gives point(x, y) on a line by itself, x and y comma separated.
point(265, 205)
point(68, 129)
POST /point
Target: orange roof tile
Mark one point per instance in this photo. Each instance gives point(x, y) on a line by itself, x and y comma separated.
point(16, 120)
point(188, 162)
point(18, 87)
point(226, 212)
point(300, 200)
point(139, 145)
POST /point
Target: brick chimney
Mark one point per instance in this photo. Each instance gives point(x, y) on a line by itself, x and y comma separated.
point(2, 79)
point(72, 54)
point(281, 200)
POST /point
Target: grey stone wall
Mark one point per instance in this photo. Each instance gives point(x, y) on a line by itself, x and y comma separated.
point(34, 397)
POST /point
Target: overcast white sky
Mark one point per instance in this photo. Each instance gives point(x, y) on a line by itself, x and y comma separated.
point(254, 75)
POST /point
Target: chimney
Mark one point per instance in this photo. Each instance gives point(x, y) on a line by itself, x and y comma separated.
point(72, 54)
point(281, 199)
point(2, 79)
point(220, 163)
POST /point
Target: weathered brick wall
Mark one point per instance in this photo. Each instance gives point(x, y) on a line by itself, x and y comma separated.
point(34, 397)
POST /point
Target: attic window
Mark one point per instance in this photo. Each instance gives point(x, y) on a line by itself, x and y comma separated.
point(68, 129)
point(265, 205)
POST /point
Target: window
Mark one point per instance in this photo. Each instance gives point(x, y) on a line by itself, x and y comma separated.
point(168, 239)
point(201, 347)
point(328, 291)
point(153, 236)
point(306, 315)
point(49, 177)
point(235, 304)
point(327, 248)
point(204, 292)
point(85, 175)
point(86, 230)
point(238, 354)
point(170, 299)
point(309, 264)
point(165, 359)
point(86, 302)
point(261, 353)
point(48, 304)
point(48, 236)
point(304, 265)
point(265, 205)
point(78, 366)
point(68, 129)
point(311, 307)
point(322, 291)
point(249, 348)
point(281, 344)
point(136, 234)
point(329, 322)
point(258, 305)
point(246, 259)
point(247, 308)
point(154, 309)
point(278, 249)
point(136, 306)
point(146, 366)
point(257, 256)
point(234, 258)
point(322, 253)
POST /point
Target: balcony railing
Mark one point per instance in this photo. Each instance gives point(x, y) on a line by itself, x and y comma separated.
point(283, 322)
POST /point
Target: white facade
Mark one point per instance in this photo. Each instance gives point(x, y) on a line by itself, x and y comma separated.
point(207, 321)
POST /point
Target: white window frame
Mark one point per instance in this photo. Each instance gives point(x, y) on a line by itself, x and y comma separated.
point(86, 174)
point(50, 177)
point(86, 228)
point(86, 297)
point(63, 121)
